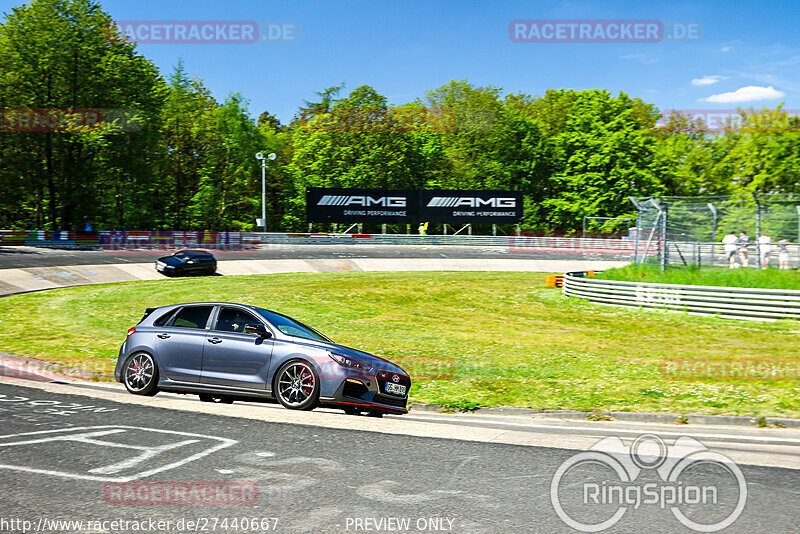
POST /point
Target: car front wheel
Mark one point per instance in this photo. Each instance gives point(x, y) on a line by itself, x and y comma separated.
point(141, 374)
point(297, 386)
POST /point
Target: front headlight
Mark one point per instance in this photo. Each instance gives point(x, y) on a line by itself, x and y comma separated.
point(352, 363)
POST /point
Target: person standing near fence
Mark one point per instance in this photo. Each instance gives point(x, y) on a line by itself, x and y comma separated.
point(743, 242)
point(783, 253)
point(764, 249)
point(730, 241)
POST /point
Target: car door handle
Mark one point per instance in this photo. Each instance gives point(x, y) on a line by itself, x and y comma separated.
point(163, 336)
point(215, 340)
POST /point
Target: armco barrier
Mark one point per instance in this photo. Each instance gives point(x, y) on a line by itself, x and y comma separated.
point(521, 244)
point(169, 240)
point(727, 302)
point(49, 238)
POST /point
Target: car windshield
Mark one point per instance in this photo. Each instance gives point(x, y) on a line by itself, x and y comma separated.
point(290, 327)
point(181, 256)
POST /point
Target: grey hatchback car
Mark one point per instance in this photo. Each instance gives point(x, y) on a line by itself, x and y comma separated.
point(226, 352)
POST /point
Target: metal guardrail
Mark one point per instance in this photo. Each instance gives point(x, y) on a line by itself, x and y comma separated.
point(515, 243)
point(48, 238)
point(113, 240)
point(727, 302)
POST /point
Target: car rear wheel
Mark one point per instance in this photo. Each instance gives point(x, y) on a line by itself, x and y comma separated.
point(297, 386)
point(141, 374)
point(219, 399)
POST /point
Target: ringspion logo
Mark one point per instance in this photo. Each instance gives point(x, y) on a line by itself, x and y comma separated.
point(704, 490)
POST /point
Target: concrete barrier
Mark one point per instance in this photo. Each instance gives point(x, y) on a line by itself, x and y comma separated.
point(14, 281)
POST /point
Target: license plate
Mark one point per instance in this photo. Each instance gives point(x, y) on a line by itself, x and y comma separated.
point(395, 389)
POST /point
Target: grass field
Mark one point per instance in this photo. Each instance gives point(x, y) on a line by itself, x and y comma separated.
point(468, 339)
point(771, 278)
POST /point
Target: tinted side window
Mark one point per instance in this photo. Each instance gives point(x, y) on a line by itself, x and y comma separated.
point(161, 321)
point(234, 319)
point(192, 317)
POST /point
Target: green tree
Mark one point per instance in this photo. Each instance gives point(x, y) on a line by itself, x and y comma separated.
point(268, 120)
point(359, 142)
point(491, 144)
point(227, 196)
point(65, 56)
point(188, 136)
point(601, 157)
point(765, 151)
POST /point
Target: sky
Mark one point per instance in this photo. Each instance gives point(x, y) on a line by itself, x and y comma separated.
point(736, 53)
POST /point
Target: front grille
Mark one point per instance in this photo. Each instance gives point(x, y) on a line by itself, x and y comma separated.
point(389, 376)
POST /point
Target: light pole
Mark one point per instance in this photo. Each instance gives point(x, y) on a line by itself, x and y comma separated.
point(271, 156)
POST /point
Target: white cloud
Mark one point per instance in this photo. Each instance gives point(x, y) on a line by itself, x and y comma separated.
point(726, 48)
point(707, 80)
point(749, 93)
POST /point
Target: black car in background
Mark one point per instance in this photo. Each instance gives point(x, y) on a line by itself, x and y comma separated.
point(187, 262)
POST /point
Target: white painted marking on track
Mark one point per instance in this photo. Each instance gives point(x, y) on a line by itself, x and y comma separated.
point(77, 434)
point(147, 454)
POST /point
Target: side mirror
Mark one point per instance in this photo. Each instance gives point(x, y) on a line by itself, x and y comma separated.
point(257, 329)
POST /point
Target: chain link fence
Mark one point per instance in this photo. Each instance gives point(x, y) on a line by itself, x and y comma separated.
point(689, 230)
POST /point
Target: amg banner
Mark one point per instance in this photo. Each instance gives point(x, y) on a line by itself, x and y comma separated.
point(412, 206)
point(466, 206)
point(336, 205)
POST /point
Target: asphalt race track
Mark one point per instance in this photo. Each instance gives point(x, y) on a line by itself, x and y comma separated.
point(74, 457)
point(25, 257)
point(25, 269)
